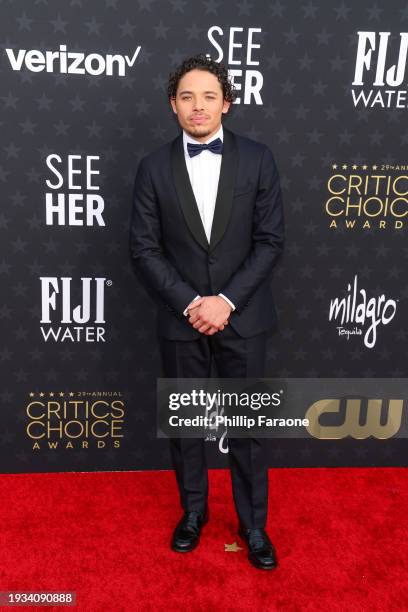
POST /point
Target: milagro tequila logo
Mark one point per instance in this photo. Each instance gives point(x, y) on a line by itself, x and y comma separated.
point(70, 62)
point(61, 321)
point(357, 314)
point(380, 69)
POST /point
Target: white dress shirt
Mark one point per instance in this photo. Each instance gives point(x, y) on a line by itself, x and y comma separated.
point(204, 173)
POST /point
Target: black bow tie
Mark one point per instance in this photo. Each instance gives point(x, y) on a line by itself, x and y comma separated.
point(215, 146)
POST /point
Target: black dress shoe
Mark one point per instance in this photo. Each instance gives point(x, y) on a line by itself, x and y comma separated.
point(186, 535)
point(261, 551)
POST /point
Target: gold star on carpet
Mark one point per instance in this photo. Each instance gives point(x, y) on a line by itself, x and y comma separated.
point(232, 547)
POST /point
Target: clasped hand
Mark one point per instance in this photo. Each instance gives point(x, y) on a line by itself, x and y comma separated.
point(209, 314)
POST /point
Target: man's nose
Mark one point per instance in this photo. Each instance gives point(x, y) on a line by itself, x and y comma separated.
point(198, 104)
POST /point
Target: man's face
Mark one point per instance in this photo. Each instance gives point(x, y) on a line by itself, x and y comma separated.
point(199, 104)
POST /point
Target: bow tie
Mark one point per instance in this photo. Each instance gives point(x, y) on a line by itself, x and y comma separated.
point(215, 146)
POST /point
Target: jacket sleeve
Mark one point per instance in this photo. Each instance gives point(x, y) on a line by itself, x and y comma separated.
point(146, 248)
point(267, 237)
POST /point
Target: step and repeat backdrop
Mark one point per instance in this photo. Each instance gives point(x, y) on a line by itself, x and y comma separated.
point(83, 99)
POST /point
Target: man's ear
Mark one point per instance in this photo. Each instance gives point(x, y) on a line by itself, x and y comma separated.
point(225, 106)
point(173, 105)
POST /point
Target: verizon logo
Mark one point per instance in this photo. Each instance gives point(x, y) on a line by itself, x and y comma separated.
point(70, 62)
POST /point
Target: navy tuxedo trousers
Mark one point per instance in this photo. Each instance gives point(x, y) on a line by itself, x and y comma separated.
point(234, 357)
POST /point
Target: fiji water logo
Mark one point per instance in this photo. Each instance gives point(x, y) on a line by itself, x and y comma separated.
point(359, 316)
point(61, 321)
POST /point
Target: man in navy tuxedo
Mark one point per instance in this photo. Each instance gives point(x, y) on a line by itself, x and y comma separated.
point(206, 231)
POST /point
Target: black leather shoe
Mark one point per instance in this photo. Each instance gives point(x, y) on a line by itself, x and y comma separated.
point(261, 551)
point(186, 535)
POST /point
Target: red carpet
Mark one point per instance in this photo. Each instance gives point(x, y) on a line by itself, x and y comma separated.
point(340, 536)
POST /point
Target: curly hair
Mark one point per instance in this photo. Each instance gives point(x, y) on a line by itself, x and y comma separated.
point(202, 62)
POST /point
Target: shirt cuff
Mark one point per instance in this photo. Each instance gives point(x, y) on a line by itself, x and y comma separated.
point(185, 313)
point(227, 300)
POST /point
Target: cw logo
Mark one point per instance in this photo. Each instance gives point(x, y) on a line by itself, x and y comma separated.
point(351, 426)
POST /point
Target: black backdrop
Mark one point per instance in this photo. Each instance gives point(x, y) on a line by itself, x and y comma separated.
point(300, 59)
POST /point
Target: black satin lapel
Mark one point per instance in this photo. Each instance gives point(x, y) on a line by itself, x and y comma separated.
point(226, 183)
point(185, 193)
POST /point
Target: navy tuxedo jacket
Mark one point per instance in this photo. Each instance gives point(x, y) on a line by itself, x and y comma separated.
point(169, 248)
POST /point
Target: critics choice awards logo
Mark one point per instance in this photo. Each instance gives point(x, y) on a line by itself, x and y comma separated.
point(380, 70)
point(89, 419)
point(356, 314)
point(364, 197)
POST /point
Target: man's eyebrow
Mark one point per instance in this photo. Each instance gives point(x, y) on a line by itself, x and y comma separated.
point(188, 91)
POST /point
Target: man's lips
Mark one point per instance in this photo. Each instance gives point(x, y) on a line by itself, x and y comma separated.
point(198, 119)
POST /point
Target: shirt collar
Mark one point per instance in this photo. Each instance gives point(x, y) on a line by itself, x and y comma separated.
point(187, 138)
